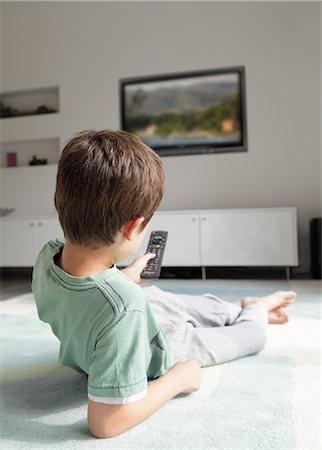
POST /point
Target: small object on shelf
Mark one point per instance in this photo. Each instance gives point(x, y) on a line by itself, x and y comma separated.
point(7, 111)
point(37, 162)
point(6, 211)
point(11, 159)
point(43, 109)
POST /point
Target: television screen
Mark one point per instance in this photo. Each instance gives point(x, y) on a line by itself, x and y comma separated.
point(199, 112)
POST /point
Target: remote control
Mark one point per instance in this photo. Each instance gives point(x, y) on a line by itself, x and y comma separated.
point(156, 245)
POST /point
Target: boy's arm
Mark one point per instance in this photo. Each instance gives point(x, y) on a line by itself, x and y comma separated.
point(105, 421)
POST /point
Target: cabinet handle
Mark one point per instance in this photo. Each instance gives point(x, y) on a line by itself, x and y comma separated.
point(39, 224)
point(204, 219)
point(31, 224)
point(193, 219)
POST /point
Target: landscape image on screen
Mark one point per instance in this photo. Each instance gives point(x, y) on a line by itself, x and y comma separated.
point(196, 110)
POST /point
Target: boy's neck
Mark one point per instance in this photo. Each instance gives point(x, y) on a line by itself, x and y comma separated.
point(80, 261)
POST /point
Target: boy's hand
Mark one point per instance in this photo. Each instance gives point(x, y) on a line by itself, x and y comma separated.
point(134, 270)
point(188, 373)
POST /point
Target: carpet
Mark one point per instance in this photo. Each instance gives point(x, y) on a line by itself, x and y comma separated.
point(267, 401)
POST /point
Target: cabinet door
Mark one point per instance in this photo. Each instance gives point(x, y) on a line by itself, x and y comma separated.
point(18, 243)
point(47, 229)
point(183, 246)
point(259, 237)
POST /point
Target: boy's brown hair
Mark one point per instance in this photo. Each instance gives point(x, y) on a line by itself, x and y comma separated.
point(105, 179)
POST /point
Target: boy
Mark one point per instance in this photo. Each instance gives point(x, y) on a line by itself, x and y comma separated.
point(108, 186)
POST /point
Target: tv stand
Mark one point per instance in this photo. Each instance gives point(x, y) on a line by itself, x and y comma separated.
point(257, 237)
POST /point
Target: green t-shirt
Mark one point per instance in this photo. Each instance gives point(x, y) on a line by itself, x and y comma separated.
point(105, 326)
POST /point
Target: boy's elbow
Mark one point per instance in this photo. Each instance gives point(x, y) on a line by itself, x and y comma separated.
point(104, 429)
point(105, 421)
point(103, 432)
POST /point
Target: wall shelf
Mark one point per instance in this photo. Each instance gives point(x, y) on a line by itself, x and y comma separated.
point(29, 102)
point(20, 153)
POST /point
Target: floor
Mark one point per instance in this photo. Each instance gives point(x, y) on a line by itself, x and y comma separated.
point(266, 286)
point(12, 287)
point(270, 401)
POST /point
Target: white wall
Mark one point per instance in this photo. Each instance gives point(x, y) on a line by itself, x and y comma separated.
point(85, 48)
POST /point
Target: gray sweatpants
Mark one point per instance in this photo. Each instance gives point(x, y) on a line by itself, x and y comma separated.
point(207, 328)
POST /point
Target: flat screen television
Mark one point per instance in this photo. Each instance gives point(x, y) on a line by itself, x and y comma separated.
point(187, 113)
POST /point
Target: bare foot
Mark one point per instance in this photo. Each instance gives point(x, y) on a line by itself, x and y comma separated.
point(279, 299)
point(277, 316)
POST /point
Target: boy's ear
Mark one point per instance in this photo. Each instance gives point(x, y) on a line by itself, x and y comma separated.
point(131, 227)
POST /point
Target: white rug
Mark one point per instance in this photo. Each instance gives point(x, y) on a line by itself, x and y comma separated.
point(267, 401)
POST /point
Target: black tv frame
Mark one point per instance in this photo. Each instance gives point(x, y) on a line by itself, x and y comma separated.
point(193, 149)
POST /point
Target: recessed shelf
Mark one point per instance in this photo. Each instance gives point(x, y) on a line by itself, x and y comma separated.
point(20, 153)
point(29, 102)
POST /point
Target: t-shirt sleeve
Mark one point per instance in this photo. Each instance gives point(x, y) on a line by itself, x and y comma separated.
point(117, 374)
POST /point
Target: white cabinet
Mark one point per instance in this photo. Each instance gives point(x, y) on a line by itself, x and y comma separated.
point(227, 237)
point(22, 238)
point(231, 237)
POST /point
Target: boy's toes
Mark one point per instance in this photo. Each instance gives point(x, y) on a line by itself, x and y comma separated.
point(290, 296)
point(277, 317)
